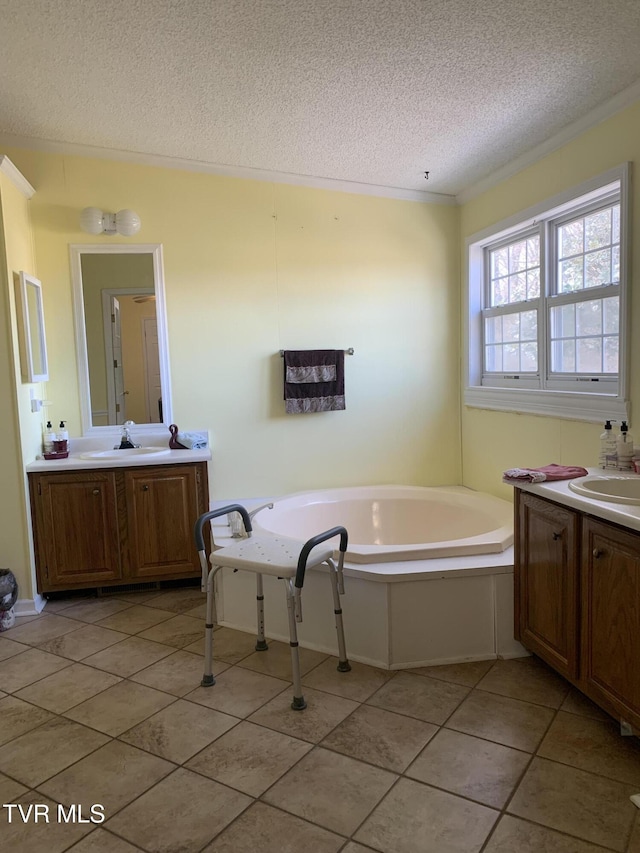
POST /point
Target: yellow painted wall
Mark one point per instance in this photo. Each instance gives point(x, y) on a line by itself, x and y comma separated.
point(251, 268)
point(495, 441)
point(21, 429)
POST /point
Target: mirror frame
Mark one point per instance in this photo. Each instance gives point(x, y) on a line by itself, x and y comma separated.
point(28, 368)
point(155, 249)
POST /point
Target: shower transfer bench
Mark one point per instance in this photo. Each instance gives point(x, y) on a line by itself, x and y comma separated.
point(280, 557)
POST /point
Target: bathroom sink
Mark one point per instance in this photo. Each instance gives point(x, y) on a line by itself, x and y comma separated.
point(625, 490)
point(127, 453)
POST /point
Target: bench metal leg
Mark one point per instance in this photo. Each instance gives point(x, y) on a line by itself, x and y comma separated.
point(298, 703)
point(207, 679)
point(261, 645)
point(343, 662)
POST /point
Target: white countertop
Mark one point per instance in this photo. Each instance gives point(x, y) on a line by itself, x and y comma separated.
point(627, 515)
point(75, 462)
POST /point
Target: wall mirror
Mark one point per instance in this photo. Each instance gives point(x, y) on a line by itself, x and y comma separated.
point(34, 344)
point(121, 335)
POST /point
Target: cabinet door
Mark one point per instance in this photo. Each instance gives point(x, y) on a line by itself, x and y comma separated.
point(547, 582)
point(162, 507)
point(76, 529)
point(611, 617)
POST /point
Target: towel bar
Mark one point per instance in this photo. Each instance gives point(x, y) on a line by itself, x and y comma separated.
point(349, 351)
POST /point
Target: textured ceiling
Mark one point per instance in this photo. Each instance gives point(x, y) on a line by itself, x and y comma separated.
point(372, 91)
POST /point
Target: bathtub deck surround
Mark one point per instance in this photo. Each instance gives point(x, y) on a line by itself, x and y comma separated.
point(495, 757)
point(400, 613)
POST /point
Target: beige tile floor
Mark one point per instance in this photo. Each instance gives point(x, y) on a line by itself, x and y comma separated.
point(100, 703)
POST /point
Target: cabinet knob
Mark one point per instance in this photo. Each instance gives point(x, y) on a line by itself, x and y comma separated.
point(96, 492)
point(557, 535)
point(145, 488)
point(598, 552)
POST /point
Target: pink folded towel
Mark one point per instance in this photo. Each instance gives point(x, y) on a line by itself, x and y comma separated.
point(547, 472)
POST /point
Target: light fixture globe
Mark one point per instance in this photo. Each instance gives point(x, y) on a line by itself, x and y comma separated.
point(127, 223)
point(91, 220)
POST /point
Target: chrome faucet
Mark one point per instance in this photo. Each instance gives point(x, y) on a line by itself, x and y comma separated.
point(125, 442)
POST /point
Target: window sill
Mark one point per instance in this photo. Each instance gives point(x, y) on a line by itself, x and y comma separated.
point(595, 408)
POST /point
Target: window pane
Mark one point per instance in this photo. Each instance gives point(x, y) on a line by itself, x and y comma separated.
point(499, 263)
point(615, 224)
point(611, 308)
point(568, 364)
point(511, 343)
point(611, 355)
point(589, 355)
point(517, 287)
point(589, 318)
point(597, 229)
point(597, 268)
point(493, 330)
point(533, 284)
point(563, 321)
point(529, 357)
point(511, 358)
point(570, 275)
point(511, 327)
point(615, 264)
point(529, 326)
point(518, 256)
point(493, 357)
point(570, 238)
point(515, 272)
point(500, 291)
point(563, 357)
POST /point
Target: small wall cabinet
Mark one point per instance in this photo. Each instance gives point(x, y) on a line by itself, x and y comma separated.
point(109, 526)
point(577, 600)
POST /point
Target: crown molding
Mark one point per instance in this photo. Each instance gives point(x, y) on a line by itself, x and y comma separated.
point(246, 172)
point(601, 113)
point(15, 176)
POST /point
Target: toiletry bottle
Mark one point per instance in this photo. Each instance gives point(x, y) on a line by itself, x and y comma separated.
point(63, 435)
point(624, 447)
point(49, 438)
point(608, 448)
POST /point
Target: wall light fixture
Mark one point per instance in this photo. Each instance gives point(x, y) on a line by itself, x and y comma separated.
point(94, 221)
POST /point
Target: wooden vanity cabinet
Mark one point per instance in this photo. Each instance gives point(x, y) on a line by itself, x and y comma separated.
point(577, 600)
point(162, 507)
point(116, 526)
point(611, 617)
point(547, 582)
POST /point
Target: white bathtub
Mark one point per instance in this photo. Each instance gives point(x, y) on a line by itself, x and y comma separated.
point(428, 575)
point(397, 523)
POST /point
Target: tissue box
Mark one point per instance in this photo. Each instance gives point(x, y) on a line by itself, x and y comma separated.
point(194, 440)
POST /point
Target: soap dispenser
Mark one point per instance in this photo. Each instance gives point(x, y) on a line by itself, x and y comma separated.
point(49, 438)
point(63, 436)
point(624, 447)
point(608, 451)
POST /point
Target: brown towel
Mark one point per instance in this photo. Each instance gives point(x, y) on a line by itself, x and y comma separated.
point(313, 380)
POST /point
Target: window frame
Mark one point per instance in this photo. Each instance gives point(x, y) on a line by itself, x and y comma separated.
point(544, 393)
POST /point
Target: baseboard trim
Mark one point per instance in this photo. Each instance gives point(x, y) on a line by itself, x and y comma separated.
point(29, 606)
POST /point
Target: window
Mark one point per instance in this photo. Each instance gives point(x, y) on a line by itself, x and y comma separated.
point(547, 307)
